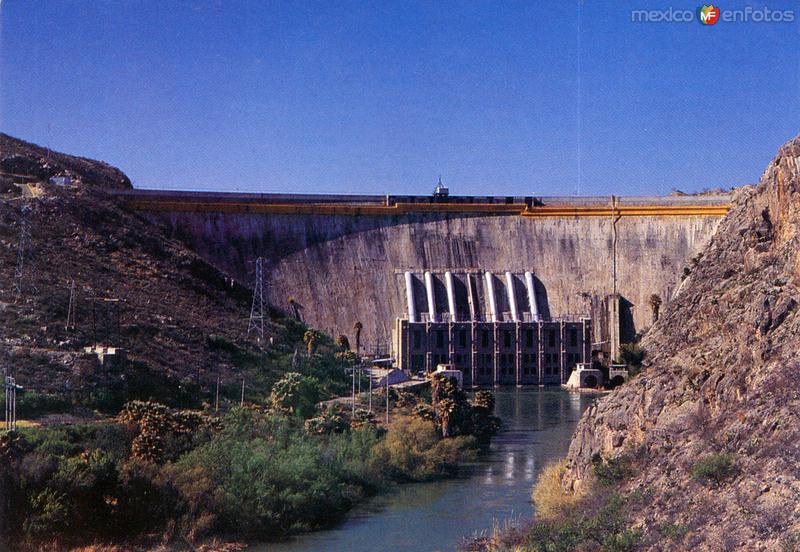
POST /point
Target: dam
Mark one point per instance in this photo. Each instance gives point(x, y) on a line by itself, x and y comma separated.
point(593, 264)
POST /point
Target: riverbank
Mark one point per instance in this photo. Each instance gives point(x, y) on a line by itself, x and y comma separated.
point(181, 476)
point(496, 486)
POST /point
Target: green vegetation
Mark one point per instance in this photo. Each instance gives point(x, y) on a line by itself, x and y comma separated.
point(33, 405)
point(602, 525)
point(548, 495)
point(673, 531)
point(258, 472)
point(714, 468)
point(296, 395)
point(594, 519)
point(632, 355)
point(612, 470)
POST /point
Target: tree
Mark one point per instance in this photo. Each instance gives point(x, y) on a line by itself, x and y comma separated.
point(445, 410)
point(485, 400)
point(633, 356)
point(453, 412)
point(312, 338)
point(358, 326)
point(655, 304)
point(296, 394)
point(484, 423)
point(343, 343)
point(294, 307)
point(329, 421)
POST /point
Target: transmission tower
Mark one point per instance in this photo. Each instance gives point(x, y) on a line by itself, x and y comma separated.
point(256, 323)
point(71, 308)
point(24, 245)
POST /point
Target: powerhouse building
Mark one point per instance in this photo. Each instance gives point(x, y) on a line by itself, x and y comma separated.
point(494, 327)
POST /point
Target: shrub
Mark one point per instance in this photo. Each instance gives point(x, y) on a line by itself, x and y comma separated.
point(424, 411)
point(33, 405)
point(145, 503)
point(587, 525)
point(714, 468)
point(296, 394)
point(87, 481)
point(362, 418)
point(633, 355)
point(163, 433)
point(406, 398)
point(413, 450)
point(47, 514)
point(269, 478)
point(329, 421)
point(673, 531)
point(71, 440)
point(612, 470)
point(549, 496)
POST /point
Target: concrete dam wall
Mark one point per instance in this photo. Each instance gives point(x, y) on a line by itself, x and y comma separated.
point(342, 259)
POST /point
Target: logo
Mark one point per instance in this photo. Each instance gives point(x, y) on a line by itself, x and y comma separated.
point(708, 15)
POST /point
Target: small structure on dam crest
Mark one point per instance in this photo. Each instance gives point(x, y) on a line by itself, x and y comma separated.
point(489, 327)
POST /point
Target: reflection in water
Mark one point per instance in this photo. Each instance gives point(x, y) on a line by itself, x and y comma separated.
point(424, 517)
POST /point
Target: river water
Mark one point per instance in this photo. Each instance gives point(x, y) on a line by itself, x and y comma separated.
point(425, 517)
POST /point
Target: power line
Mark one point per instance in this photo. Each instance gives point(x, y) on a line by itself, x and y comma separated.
point(257, 308)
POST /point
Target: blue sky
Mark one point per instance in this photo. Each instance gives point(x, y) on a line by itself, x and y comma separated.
point(507, 98)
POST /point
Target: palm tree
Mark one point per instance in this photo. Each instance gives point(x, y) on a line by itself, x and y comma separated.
point(311, 338)
point(446, 409)
point(358, 326)
point(655, 304)
point(343, 343)
point(293, 304)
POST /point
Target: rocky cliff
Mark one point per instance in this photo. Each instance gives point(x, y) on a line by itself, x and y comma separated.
point(721, 380)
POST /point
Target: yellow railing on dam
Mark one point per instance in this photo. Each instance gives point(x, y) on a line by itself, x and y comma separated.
point(628, 211)
point(169, 205)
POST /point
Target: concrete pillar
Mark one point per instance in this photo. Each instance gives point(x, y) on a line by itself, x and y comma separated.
point(561, 353)
point(495, 355)
point(431, 298)
point(471, 298)
point(451, 295)
point(473, 350)
point(412, 309)
point(613, 326)
point(512, 300)
point(540, 352)
point(532, 296)
point(490, 295)
point(518, 355)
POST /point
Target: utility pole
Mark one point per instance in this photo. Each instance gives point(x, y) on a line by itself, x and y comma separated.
point(71, 308)
point(24, 245)
point(369, 374)
point(256, 323)
point(216, 402)
point(387, 399)
point(94, 319)
point(354, 390)
point(10, 387)
point(242, 403)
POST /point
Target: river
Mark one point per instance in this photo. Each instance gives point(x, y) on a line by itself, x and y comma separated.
point(425, 517)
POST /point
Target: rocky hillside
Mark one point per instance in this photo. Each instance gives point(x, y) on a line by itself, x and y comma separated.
point(179, 320)
point(20, 160)
point(713, 422)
